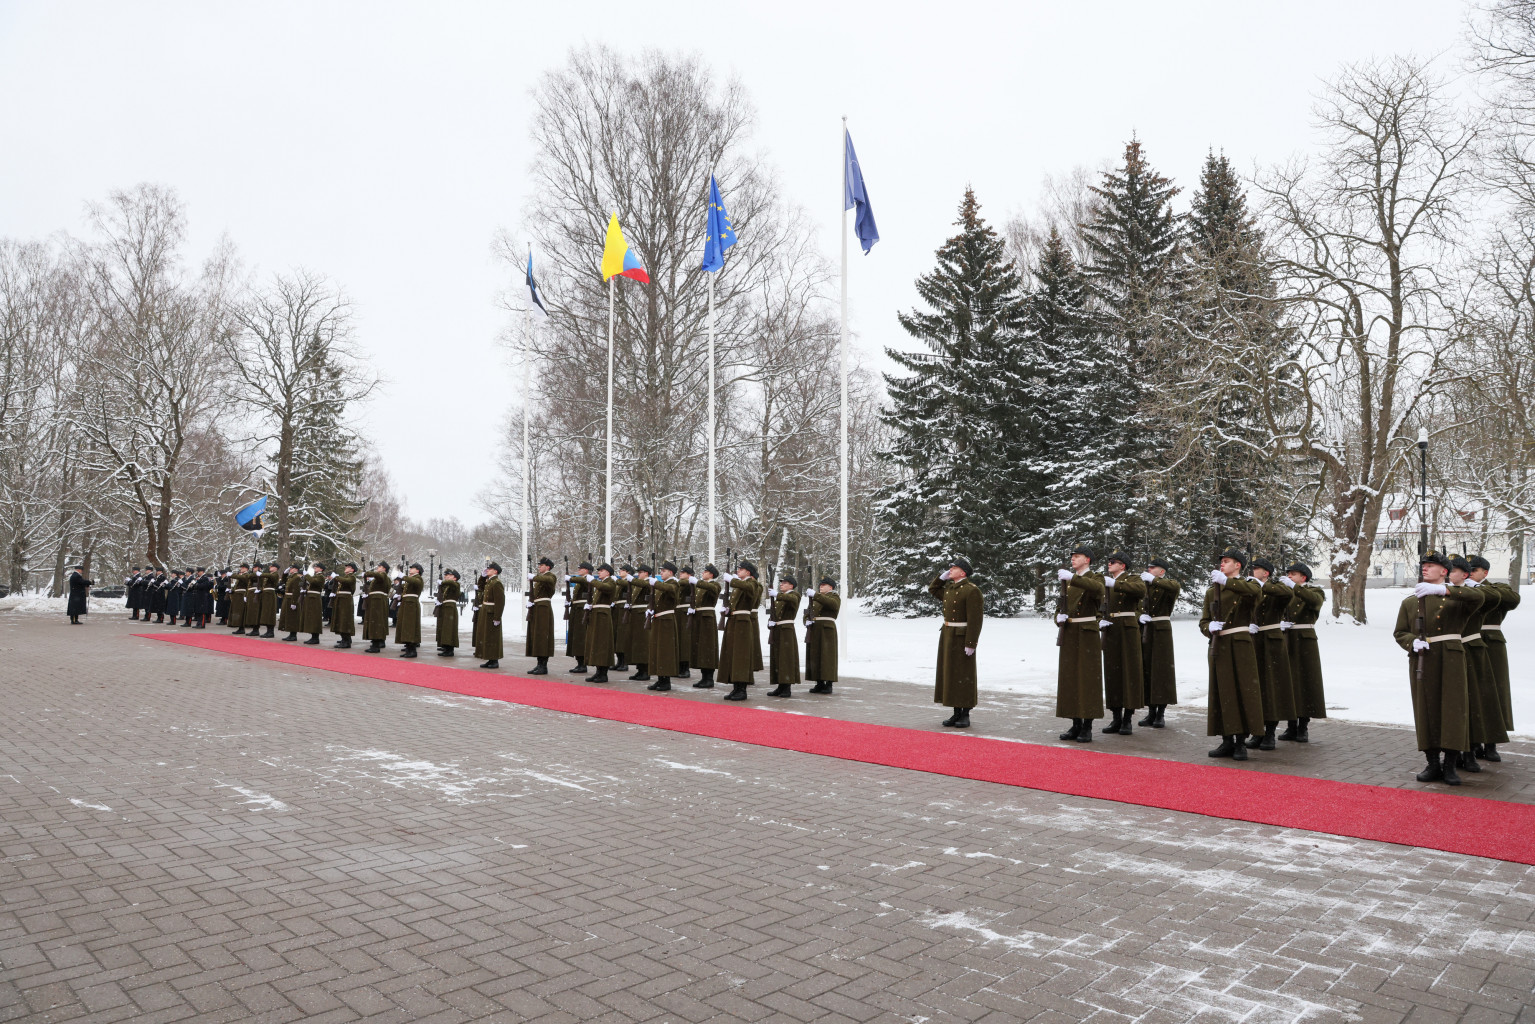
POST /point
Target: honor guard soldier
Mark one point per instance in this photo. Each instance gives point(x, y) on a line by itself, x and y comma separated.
point(474, 610)
point(375, 607)
point(1235, 702)
point(1497, 647)
point(783, 645)
point(130, 592)
point(202, 598)
point(271, 597)
point(662, 659)
point(539, 642)
point(446, 613)
point(1276, 680)
point(620, 613)
point(239, 587)
point(1428, 627)
point(407, 617)
point(221, 589)
point(287, 618)
point(705, 652)
point(173, 597)
point(599, 624)
point(738, 656)
point(1079, 678)
point(685, 587)
point(1124, 681)
point(343, 613)
point(639, 623)
point(1481, 688)
point(821, 635)
point(955, 684)
point(1157, 659)
point(1299, 628)
point(156, 595)
point(578, 594)
point(492, 607)
point(311, 604)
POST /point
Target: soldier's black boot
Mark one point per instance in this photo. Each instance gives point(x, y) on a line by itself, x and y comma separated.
point(1118, 720)
point(621, 666)
point(706, 679)
point(737, 692)
point(683, 672)
point(1125, 728)
point(314, 640)
point(409, 652)
point(821, 686)
point(135, 615)
point(1433, 773)
point(961, 718)
point(374, 647)
point(1291, 730)
point(1226, 749)
point(1161, 722)
point(1489, 752)
point(1086, 733)
point(540, 669)
point(1266, 742)
point(580, 667)
point(1151, 716)
point(290, 637)
point(1302, 731)
point(662, 684)
point(238, 632)
point(492, 663)
point(1467, 762)
point(600, 675)
point(781, 690)
point(344, 642)
point(949, 722)
point(1451, 777)
point(1238, 749)
point(641, 674)
point(1071, 734)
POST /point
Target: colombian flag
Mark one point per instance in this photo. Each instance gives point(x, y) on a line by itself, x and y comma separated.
point(618, 260)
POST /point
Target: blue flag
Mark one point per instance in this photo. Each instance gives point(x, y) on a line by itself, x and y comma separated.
point(249, 517)
point(720, 235)
point(855, 194)
point(533, 285)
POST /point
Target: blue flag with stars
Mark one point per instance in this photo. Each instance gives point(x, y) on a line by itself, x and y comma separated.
point(721, 235)
point(856, 195)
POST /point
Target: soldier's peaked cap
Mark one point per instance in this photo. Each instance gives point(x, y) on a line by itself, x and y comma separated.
point(349, 565)
point(1478, 562)
point(644, 568)
point(585, 565)
point(546, 561)
point(1434, 557)
point(711, 570)
point(626, 567)
point(827, 581)
point(748, 566)
point(669, 565)
point(1082, 549)
point(605, 567)
point(416, 566)
point(790, 580)
point(450, 572)
point(493, 565)
point(1118, 556)
point(686, 570)
point(202, 568)
point(1300, 567)
point(1160, 563)
point(961, 563)
point(1460, 563)
point(1234, 554)
point(245, 565)
point(1263, 563)
point(384, 564)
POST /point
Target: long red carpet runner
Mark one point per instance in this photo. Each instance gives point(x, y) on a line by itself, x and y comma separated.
point(1438, 821)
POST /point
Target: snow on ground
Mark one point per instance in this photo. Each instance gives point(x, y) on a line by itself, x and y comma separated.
point(55, 605)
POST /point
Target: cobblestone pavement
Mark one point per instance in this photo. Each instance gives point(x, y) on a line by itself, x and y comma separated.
point(189, 836)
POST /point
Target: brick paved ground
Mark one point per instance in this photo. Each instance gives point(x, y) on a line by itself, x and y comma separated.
point(187, 836)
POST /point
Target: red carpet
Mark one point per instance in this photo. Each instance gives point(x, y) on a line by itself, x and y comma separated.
point(1438, 821)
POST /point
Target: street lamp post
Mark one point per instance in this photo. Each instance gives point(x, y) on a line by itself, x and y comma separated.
point(1422, 492)
point(431, 563)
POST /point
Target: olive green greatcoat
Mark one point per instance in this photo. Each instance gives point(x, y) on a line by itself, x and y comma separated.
point(475, 622)
point(343, 612)
point(492, 608)
point(620, 615)
point(599, 623)
point(539, 642)
point(684, 623)
point(237, 592)
point(1276, 681)
point(1079, 678)
point(1482, 685)
point(1497, 648)
point(738, 653)
point(1124, 680)
point(1304, 609)
point(446, 613)
point(311, 604)
point(705, 652)
point(1235, 702)
point(407, 618)
point(271, 593)
point(375, 605)
point(1157, 659)
point(758, 592)
point(578, 595)
point(288, 615)
point(783, 645)
point(1440, 700)
point(821, 637)
point(661, 658)
point(639, 619)
point(964, 612)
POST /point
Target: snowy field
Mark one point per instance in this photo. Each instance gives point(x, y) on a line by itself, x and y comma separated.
point(1366, 672)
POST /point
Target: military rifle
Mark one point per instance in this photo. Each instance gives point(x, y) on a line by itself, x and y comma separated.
point(1103, 616)
point(1061, 609)
point(1419, 626)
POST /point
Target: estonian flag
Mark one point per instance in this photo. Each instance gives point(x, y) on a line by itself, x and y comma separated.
point(533, 286)
point(249, 517)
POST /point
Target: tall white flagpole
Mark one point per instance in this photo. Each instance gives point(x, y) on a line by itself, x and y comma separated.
point(847, 576)
point(607, 504)
point(527, 517)
point(711, 418)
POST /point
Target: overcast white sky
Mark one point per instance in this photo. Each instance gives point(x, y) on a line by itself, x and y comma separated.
point(385, 144)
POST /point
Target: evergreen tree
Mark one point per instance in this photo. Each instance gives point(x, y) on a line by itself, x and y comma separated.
point(326, 501)
point(957, 429)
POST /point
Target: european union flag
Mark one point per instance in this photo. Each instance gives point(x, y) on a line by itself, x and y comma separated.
point(721, 235)
point(538, 299)
point(855, 194)
point(249, 517)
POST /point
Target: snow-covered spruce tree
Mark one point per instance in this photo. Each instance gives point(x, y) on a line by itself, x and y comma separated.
point(957, 430)
point(326, 484)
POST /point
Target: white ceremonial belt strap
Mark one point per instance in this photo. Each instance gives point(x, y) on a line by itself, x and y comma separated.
point(1493, 629)
point(744, 614)
point(1443, 637)
point(1161, 618)
point(1085, 618)
point(957, 625)
point(670, 612)
point(1233, 629)
point(1122, 615)
point(542, 600)
point(1471, 636)
point(1272, 625)
point(825, 618)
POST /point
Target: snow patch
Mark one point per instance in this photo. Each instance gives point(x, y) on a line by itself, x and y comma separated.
point(691, 767)
point(256, 801)
point(89, 806)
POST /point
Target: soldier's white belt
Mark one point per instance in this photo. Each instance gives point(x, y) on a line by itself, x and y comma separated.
point(1123, 615)
point(1084, 618)
point(1443, 637)
point(825, 618)
point(1233, 629)
point(1471, 636)
point(1160, 618)
point(576, 602)
point(1272, 625)
point(1303, 630)
point(957, 625)
point(601, 607)
point(1493, 629)
point(659, 614)
point(620, 604)
point(542, 600)
point(745, 614)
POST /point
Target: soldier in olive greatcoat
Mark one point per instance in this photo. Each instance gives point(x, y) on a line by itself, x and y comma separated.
point(1428, 627)
point(705, 652)
point(1157, 660)
point(739, 657)
point(621, 645)
point(1497, 648)
point(639, 622)
point(311, 604)
point(375, 607)
point(1299, 628)
point(662, 657)
point(783, 645)
point(539, 643)
point(1079, 678)
point(685, 586)
point(271, 598)
point(1235, 703)
point(821, 635)
point(964, 612)
point(1124, 681)
point(1276, 681)
point(492, 608)
point(599, 624)
point(343, 612)
point(578, 594)
point(407, 617)
point(445, 612)
point(1481, 687)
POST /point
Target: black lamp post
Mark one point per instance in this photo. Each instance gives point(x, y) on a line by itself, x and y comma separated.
point(1422, 492)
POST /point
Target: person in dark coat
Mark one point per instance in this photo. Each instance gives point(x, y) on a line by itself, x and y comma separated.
point(1299, 628)
point(1079, 675)
point(1235, 708)
point(446, 613)
point(201, 590)
point(1124, 680)
point(599, 625)
point(705, 652)
point(1276, 679)
point(343, 611)
point(578, 594)
point(487, 642)
point(131, 592)
point(662, 656)
point(271, 597)
point(407, 620)
point(154, 596)
point(539, 642)
point(311, 604)
point(375, 607)
point(221, 588)
point(964, 610)
point(1497, 647)
point(821, 635)
point(1157, 642)
point(174, 591)
point(738, 656)
point(783, 645)
point(79, 591)
point(1428, 628)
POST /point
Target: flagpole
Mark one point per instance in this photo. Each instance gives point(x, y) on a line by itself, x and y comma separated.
point(847, 576)
point(711, 418)
point(526, 475)
point(607, 504)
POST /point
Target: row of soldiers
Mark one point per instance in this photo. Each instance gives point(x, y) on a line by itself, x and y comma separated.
point(189, 594)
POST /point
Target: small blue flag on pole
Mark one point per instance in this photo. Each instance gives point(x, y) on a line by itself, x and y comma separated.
point(720, 235)
point(249, 517)
point(538, 300)
point(855, 194)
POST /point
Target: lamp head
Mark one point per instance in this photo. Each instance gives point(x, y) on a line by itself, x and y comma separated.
point(1422, 437)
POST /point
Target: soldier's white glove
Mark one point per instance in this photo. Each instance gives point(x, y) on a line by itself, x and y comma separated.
point(1284, 625)
point(1469, 582)
point(1108, 581)
point(1104, 623)
point(1420, 645)
point(1217, 577)
point(1216, 627)
point(651, 581)
point(1065, 575)
point(1060, 620)
point(530, 604)
point(1252, 627)
point(945, 574)
point(690, 611)
point(1145, 618)
point(495, 622)
point(588, 577)
point(1148, 577)
point(1429, 590)
point(531, 575)
point(1287, 581)
point(567, 577)
point(969, 652)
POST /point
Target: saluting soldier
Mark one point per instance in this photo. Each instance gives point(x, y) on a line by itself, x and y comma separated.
point(1428, 627)
point(821, 635)
point(202, 602)
point(1497, 648)
point(407, 617)
point(492, 607)
point(639, 622)
point(271, 597)
point(311, 604)
point(540, 639)
point(1079, 678)
point(1481, 688)
point(578, 594)
point(662, 658)
point(599, 626)
point(1124, 680)
point(376, 587)
point(1235, 702)
point(955, 685)
point(1157, 661)
point(287, 618)
point(237, 595)
point(783, 645)
point(737, 661)
point(620, 613)
point(705, 652)
point(343, 612)
point(685, 587)
point(474, 611)
point(1299, 628)
point(1276, 680)
point(446, 613)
